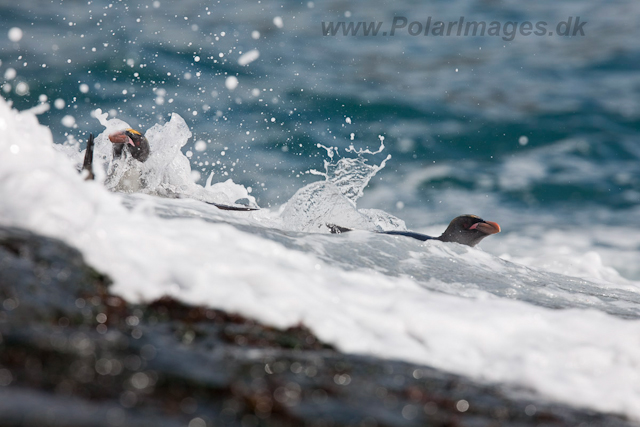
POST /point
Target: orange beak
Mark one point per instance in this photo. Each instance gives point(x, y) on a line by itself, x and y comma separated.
point(120, 137)
point(487, 227)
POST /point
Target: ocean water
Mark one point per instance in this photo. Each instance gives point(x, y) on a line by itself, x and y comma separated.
point(539, 134)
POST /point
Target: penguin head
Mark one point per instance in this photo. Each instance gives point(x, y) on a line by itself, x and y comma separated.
point(469, 230)
point(131, 140)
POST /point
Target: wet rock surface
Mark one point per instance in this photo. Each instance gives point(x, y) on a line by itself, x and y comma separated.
point(71, 354)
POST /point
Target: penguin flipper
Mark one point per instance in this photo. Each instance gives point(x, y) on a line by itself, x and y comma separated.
point(336, 229)
point(87, 165)
point(232, 208)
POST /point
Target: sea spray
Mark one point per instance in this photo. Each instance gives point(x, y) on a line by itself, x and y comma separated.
point(333, 201)
point(351, 174)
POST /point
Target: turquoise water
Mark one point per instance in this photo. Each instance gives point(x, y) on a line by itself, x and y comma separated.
point(537, 130)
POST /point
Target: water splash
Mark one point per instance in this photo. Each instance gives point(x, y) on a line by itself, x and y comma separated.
point(167, 172)
point(351, 175)
point(333, 201)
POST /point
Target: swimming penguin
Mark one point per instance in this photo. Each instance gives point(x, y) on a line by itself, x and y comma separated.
point(138, 147)
point(465, 229)
point(130, 150)
point(134, 142)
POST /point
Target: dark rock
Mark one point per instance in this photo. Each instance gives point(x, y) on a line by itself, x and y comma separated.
point(71, 354)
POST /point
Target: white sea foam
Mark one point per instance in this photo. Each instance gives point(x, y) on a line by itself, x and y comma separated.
point(364, 293)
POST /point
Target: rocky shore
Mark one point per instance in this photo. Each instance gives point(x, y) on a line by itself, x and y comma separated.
point(72, 354)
